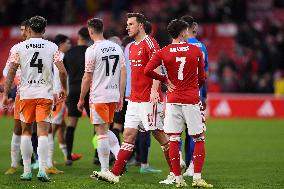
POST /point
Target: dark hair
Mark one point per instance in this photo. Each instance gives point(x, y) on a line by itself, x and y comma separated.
point(25, 23)
point(96, 24)
point(60, 38)
point(139, 17)
point(188, 19)
point(175, 27)
point(37, 24)
point(84, 33)
point(148, 27)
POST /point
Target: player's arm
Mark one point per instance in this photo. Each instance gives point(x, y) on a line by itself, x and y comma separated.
point(201, 70)
point(63, 77)
point(9, 81)
point(151, 69)
point(87, 78)
point(122, 83)
point(85, 86)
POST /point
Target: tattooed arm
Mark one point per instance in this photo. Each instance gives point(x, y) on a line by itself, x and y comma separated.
point(9, 81)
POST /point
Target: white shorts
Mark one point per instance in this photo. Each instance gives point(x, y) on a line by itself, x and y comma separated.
point(144, 115)
point(177, 115)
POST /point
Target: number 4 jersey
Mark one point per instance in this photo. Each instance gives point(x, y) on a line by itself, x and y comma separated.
point(184, 66)
point(104, 59)
point(36, 57)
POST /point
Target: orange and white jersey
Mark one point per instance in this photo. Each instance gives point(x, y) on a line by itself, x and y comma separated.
point(17, 79)
point(104, 59)
point(56, 79)
point(36, 57)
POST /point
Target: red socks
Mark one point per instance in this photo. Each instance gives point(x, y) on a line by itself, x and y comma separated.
point(124, 154)
point(198, 156)
point(166, 150)
point(174, 157)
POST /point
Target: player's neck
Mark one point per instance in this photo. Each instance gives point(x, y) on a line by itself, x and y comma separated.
point(36, 35)
point(98, 38)
point(178, 40)
point(140, 37)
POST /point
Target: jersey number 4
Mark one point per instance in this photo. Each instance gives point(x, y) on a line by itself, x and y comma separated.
point(39, 64)
point(182, 61)
point(106, 59)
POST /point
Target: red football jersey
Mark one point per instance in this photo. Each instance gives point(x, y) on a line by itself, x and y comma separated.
point(185, 69)
point(139, 55)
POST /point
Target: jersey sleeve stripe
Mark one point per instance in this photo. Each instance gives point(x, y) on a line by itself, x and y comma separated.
point(150, 43)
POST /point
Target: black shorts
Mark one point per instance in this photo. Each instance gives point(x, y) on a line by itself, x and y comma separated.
point(119, 117)
point(71, 103)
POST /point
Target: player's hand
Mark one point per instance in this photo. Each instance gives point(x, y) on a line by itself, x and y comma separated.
point(119, 105)
point(5, 102)
point(55, 99)
point(80, 105)
point(204, 103)
point(62, 94)
point(171, 87)
point(154, 97)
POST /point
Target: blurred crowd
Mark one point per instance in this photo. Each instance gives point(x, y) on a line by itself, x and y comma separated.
point(258, 58)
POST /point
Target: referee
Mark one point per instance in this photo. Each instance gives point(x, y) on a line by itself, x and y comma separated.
point(74, 62)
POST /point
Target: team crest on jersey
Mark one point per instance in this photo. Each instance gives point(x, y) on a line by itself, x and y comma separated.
point(140, 52)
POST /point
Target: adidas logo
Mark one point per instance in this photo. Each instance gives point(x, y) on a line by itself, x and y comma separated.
point(222, 109)
point(266, 109)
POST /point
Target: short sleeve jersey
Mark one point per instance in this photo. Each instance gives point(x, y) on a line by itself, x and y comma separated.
point(139, 55)
point(184, 65)
point(36, 57)
point(104, 59)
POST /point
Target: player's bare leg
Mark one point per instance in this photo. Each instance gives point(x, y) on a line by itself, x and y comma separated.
point(15, 147)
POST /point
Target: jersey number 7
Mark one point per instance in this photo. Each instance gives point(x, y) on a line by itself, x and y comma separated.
point(182, 61)
point(39, 64)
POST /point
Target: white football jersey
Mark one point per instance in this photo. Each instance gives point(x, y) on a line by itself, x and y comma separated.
point(36, 57)
point(104, 59)
point(56, 79)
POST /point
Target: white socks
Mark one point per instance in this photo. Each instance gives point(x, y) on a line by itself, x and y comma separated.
point(15, 149)
point(63, 149)
point(42, 151)
point(26, 151)
point(114, 144)
point(196, 176)
point(103, 151)
point(50, 150)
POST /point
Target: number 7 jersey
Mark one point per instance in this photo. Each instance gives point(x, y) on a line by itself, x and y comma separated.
point(36, 57)
point(184, 66)
point(104, 60)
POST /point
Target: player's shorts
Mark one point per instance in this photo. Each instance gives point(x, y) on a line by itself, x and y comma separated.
point(17, 107)
point(36, 110)
point(102, 112)
point(144, 115)
point(71, 103)
point(119, 117)
point(177, 115)
point(58, 114)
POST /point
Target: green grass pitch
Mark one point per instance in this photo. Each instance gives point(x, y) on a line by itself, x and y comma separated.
point(240, 154)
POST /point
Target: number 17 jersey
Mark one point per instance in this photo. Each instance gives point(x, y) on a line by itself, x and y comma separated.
point(36, 57)
point(104, 60)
